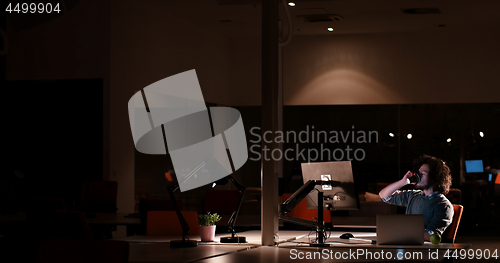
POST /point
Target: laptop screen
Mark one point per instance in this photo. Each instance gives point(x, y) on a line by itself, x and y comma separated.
point(396, 229)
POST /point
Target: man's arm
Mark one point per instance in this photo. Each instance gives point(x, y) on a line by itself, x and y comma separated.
point(390, 189)
point(443, 216)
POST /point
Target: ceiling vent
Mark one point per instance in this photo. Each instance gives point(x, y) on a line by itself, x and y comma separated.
point(421, 11)
point(321, 18)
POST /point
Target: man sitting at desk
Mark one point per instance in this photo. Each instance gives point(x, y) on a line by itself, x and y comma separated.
point(428, 198)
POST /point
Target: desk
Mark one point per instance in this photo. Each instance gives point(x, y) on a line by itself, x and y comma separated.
point(157, 249)
point(336, 242)
point(253, 238)
point(295, 255)
point(161, 252)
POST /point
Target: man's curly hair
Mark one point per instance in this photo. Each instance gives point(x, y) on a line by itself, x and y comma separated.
point(439, 172)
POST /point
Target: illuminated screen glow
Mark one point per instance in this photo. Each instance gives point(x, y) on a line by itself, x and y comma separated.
point(474, 166)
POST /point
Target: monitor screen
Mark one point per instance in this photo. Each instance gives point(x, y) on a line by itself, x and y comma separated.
point(474, 166)
point(343, 197)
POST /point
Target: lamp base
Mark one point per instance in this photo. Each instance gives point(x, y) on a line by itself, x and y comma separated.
point(185, 243)
point(233, 239)
point(319, 245)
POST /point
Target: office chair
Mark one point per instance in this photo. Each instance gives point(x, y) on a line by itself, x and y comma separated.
point(166, 223)
point(451, 232)
point(150, 204)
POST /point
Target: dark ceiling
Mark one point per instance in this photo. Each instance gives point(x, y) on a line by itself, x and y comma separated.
point(243, 17)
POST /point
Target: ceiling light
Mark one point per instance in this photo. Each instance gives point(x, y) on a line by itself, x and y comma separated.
point(330, 29)
point(481, 134)
point(409, 136)
point(391, 134)
point(448, 140)
point(291, 3)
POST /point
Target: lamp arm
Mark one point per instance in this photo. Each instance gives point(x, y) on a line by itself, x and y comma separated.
point(185, 226)
point(236, 184)
point(232, 219)
point(302, 192)
point(299, 221)
point(297, 196)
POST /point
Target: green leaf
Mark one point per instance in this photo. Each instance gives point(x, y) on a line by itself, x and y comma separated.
point(208, 219)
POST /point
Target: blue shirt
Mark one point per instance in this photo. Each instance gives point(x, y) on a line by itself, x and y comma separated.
point(436, 208)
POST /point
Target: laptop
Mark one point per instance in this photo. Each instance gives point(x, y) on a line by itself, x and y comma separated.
point(400, 229)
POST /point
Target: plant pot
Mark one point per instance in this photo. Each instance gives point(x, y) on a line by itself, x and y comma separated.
point(207, 233)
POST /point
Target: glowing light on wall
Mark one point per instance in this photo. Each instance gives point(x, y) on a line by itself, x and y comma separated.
point(341, 86)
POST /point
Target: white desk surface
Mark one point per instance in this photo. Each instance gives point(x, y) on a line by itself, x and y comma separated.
point(363, 240)
point(293, 255)
point(157, 249)
point(162, 252)
point(253, 238)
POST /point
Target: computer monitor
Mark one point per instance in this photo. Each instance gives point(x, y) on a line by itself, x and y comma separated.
point(474, 166)
point(343, 197)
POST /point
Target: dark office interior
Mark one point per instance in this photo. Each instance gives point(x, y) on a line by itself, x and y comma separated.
point(421, 77)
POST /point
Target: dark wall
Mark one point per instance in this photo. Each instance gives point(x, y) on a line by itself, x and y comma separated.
point(386, 158)
point(53, 136)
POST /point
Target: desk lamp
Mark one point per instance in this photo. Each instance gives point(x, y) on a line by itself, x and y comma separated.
point(185, 242)
point(296, 197)
point(232, 220)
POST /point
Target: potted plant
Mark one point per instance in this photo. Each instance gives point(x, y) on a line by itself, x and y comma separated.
point(207, 226)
